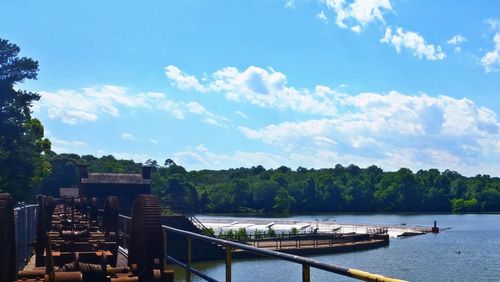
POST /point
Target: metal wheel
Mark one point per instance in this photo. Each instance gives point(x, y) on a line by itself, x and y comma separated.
point(146, 237)
point(7, 239)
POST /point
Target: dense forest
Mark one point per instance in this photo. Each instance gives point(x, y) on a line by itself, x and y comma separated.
point(281, 190)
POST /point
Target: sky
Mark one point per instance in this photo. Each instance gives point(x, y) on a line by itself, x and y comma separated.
point(224, 84)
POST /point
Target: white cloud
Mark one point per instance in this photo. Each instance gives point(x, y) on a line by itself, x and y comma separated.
point(356, 28)
point(89, 104)
point(201, 157)
point(73, 107)
point(493, 24)
point(266, 88)
point(181, 80)
point(414, 42)
point(457, 40)
point(491, 60)
point(358, 13)
point(390, 130)
point(395, 130)
point(322, 17)
point(128, 136)
point(66, 146)
point(212, 122)
point(154, 141)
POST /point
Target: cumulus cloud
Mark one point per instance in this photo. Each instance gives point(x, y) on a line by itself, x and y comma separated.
point(388, 129)
point(359, 13)
point(264, 88)
point(414, 42)
point(90, 104)
point(394, 130)
point(491, 60)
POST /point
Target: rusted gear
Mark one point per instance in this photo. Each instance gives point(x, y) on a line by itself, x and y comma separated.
point(7, 238)
point(146, 237)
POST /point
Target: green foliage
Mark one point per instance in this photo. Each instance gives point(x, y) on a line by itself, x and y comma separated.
point(209, 231)
point(338, 189)
point(294, 231)
point(271, 232)
point(283, 200)
point(241, 234)
point(23, 148)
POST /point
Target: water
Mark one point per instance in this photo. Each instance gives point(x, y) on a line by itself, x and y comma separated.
point(469, 251)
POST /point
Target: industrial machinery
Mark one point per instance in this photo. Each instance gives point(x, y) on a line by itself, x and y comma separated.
point(75, 241)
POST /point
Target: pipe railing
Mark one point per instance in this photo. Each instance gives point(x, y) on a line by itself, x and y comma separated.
point(306, 263)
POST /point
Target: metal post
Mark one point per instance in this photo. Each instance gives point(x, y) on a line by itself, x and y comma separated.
point(188, 273)
point(165, 247)
point(125, 234)
point(228, 264)
point(306, 273)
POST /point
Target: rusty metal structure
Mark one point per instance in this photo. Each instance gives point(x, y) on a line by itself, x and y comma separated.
point(75, 241)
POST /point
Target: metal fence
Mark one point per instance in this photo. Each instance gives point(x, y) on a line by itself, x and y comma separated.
point(25, 222)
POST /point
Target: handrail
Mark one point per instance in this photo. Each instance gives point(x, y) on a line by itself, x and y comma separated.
point(306, 262)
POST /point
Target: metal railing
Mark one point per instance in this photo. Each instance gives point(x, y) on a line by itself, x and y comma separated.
point(306, 263)
point(25, 218)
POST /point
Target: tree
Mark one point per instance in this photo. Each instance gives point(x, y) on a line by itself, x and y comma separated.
point(283, 200)
point(23, 164)
point(169, 162)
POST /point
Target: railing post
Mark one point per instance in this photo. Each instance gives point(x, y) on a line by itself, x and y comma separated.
point(165, 247)
point(228, 264)
point(188, 273)
point(306, 273)
point(125, 233)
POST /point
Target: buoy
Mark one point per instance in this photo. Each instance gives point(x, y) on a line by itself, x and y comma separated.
point(435, 229)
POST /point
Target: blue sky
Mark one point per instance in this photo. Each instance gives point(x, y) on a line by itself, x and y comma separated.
point(219, 84)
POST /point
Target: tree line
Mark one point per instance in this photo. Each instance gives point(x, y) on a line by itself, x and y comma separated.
point(257, 189)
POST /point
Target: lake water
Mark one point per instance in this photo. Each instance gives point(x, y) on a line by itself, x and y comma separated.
point(469, 251)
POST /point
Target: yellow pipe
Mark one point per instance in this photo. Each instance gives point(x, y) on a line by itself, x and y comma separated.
point(367, 276)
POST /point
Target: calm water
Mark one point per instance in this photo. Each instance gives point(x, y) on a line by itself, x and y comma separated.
point(422, 258)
